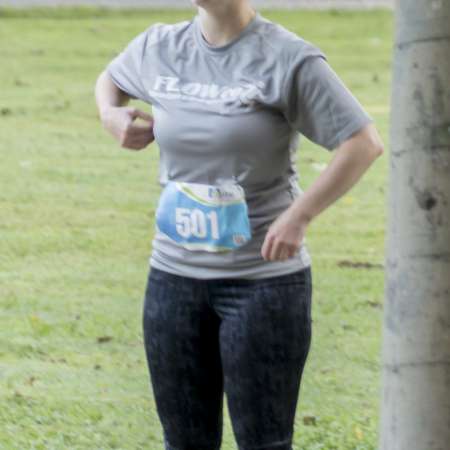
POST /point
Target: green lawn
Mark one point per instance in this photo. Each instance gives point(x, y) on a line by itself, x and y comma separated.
point(76, 226)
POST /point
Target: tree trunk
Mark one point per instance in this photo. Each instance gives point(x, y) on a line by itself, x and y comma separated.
point(415, 413)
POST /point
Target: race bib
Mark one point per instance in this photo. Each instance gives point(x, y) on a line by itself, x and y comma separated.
point(203, 216)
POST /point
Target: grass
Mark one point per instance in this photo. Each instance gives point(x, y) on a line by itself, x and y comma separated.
point(76, 226)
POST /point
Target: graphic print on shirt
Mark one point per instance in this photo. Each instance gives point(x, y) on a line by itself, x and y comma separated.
point(243, 95)
point(204, 217)
point(203, 136)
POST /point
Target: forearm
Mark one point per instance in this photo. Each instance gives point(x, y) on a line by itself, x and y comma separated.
point(350, 162)
point(108, 94)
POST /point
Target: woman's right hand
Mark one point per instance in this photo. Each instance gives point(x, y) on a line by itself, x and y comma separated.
point(119, 121)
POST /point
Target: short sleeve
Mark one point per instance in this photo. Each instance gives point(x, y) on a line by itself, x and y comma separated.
point(319, 105)
point(125, 68)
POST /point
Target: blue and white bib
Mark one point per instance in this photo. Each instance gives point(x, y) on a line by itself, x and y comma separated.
point(204, 216)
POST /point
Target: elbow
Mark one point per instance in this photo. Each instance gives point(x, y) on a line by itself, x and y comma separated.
point(377, 149)
point(98, 82)
point(370, 140)
point(374, 145)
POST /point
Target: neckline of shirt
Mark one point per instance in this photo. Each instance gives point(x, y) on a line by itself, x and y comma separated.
point(215, 49)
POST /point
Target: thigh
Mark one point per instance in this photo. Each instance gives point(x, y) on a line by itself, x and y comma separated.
point(264, 346)
point(182, 350)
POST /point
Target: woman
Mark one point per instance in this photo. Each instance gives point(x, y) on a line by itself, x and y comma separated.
point(227, 306)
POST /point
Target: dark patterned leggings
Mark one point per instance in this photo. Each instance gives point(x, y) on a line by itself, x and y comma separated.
point(247, 338)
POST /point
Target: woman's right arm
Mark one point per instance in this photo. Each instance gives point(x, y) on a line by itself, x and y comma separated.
point(118, 118)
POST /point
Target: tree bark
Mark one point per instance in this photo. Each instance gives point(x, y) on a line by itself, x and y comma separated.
point(415, 407)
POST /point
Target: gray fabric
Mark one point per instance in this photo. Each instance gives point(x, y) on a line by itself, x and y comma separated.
point(235, 112)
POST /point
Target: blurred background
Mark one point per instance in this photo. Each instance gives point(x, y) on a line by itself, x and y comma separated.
point(77, 218)
point(183, 3)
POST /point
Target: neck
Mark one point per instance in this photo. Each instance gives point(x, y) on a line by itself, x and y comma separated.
point(221, 24)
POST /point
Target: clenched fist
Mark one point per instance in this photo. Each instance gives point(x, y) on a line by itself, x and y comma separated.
point(120, 122)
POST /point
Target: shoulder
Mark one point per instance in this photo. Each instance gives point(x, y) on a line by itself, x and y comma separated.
point(288, 45)
point(159, 31)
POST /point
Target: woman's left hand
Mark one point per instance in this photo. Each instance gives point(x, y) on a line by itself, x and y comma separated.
point(284, 236)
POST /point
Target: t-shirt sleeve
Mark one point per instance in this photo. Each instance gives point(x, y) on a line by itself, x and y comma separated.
point(319, 105)
point(126, 68)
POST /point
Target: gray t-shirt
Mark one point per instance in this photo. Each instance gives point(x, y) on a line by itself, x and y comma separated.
point(235, 112)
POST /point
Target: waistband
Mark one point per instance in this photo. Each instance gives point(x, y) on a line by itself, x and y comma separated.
point(298, 275)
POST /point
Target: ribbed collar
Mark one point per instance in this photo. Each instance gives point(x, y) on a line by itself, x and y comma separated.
point(213, 49)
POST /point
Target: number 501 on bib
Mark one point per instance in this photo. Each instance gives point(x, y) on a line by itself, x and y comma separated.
point(205, 217)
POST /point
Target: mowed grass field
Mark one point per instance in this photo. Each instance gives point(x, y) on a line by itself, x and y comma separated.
point(76, 224)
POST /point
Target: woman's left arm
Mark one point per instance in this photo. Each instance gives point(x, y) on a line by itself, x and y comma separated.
point(352, 158)
point(317, 103)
